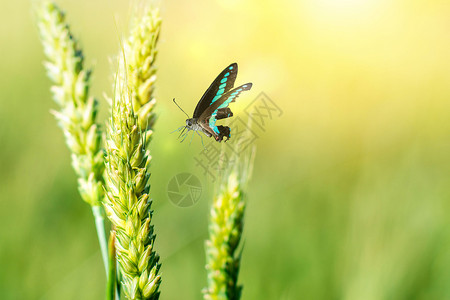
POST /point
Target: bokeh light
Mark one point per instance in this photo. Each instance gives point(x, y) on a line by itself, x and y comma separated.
point(349, 198)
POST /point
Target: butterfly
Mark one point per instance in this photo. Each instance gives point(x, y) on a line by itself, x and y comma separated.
point(213, 106)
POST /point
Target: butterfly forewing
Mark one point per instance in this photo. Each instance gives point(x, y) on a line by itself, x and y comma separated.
point(221, 85)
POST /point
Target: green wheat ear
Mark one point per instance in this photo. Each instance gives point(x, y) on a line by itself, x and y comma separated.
point(70, 90)
point(225, 231)
point(138, 69)
point(127, 204)
point(78, 111)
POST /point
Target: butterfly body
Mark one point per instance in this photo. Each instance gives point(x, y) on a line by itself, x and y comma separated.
point(192, 124)
point(213, 105)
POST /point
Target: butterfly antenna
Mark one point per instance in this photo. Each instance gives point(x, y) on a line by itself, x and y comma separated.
point(180, 108)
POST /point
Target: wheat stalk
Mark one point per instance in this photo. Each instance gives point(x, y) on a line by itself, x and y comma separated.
point(78, 111)
point(225, 231)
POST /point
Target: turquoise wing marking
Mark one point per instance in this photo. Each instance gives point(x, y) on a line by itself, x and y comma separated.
point(229, 97)
point(222, 86)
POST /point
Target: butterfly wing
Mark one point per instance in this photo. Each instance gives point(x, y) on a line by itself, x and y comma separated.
point(223, 113)
point(219, 110)
point(222, 84)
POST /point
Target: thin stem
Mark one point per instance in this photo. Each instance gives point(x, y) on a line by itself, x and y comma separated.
point(111, 293)
point(99, 217)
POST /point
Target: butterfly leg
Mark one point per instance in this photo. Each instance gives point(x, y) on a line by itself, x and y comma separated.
point(179, 128)
point(201, 137)
point(192, 137)
point(185, 135)
point(182, 132)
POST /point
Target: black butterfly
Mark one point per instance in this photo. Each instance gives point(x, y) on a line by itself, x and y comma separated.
point(213, 106)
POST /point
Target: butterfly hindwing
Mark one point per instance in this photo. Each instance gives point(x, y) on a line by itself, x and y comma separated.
point(223, 113)
point(221, 85)
point(219, 110)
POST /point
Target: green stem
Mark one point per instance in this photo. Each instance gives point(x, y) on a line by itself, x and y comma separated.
point(111, 285)
point(99, 217)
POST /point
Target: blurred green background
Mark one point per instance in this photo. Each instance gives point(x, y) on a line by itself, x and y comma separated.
point(350, 197)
